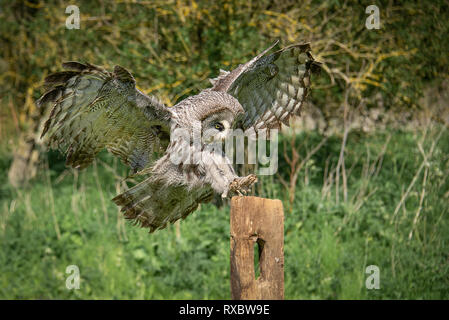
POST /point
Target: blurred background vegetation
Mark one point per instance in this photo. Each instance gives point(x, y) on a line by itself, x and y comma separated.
point(363, 174)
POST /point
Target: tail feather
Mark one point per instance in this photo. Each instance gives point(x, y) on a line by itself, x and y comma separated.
point(152, 204)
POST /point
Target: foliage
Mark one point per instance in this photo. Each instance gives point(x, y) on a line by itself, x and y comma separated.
point(173, 47)
point(65, 217)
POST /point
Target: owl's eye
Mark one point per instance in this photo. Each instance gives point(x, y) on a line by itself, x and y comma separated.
point(219, 126)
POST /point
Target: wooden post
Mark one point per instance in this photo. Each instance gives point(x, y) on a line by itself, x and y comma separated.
point(257, 221)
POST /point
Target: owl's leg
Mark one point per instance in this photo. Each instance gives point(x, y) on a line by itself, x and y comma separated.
point(221, 175)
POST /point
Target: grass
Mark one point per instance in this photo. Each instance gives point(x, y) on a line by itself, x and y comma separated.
point(65, 217)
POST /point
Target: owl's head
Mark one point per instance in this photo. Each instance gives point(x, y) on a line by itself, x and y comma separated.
point(216, 127)
point(211, 113)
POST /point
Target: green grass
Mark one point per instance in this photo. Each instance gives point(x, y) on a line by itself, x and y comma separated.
point(60, 219)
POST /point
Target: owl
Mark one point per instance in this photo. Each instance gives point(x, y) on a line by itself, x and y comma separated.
point(93, 109)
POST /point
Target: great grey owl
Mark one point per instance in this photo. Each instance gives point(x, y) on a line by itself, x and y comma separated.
point(93, 109)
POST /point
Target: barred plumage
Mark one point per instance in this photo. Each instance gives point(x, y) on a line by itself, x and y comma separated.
point(93, 109)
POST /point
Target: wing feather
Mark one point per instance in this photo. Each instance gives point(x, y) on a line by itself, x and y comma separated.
point(93, 109)
point(271, 87)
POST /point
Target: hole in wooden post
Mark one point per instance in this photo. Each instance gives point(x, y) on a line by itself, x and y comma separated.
point(258, 250)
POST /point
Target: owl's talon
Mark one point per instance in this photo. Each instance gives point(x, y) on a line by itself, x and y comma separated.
point(242, 185)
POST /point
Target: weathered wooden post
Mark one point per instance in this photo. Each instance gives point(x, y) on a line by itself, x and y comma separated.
point(257, 221)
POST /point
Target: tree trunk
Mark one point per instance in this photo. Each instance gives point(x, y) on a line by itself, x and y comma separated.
point(26, 156)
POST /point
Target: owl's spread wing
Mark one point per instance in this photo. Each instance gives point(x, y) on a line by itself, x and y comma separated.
point(94, 109)
point(271, 87)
